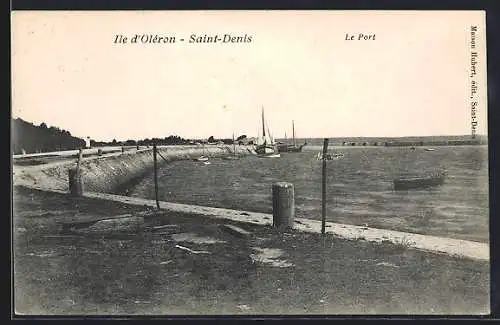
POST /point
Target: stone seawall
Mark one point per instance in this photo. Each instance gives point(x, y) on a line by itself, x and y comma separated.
point(109, 174)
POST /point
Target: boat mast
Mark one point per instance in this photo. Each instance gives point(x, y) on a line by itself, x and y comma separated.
point(234, 146)
point(263, 127)
point(293, 131)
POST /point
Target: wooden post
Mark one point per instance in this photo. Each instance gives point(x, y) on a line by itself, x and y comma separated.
point(80, 155)
point(323, 201)
point(156, 176)
point(75, 182)
point(75, 178)
point(234, 146)
point(283, 205)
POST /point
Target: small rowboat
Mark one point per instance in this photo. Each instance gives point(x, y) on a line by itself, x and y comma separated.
point(407, 183)
point(269, 155)
point(202, 158)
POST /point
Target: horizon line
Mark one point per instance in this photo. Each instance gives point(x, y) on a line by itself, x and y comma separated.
point(332, 137)
point(256, 136)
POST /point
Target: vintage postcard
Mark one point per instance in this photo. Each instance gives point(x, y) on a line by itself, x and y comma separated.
point(250, 162)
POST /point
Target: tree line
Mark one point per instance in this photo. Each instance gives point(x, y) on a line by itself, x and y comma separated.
point(167, 141)
point(32, 138)
point(170, 140)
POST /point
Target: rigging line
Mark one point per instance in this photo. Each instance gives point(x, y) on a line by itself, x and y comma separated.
point(162, 156)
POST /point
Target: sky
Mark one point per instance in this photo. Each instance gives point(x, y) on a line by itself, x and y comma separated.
point(411, 80)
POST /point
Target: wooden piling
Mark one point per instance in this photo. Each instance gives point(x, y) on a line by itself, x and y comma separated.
point(234, 146)
point(323, 199)
point(156, 176)
point(283, 205)
point(75, 177)
point(75, 182)
point(80, 156)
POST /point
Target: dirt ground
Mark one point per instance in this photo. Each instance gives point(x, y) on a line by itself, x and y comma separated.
point(181, 264)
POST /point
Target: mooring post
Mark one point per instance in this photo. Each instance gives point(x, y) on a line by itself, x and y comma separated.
point(75, 182)
point(323, 201)
point(234, 146)
point(80, 155)
point(156, 176)
point(283, 205)
point(75, 178)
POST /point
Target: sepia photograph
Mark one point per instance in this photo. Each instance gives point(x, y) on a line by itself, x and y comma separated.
point(250, 163)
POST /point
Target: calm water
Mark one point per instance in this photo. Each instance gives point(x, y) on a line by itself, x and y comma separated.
point(359, 187)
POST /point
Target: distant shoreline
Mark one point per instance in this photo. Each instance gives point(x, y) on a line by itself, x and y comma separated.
point(395, 142)
point(317, 147)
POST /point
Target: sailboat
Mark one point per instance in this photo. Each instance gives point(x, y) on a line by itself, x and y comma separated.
point(266, 148)
point(285, 147)
point(202, 158)
point(233, 157)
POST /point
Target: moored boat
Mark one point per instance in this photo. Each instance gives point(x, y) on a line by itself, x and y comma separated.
point(233, 156)
point(267, 147)
point(407, 183)
point(202, 158)
point(289, 148)
point(285, 147)
point(269, 155)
